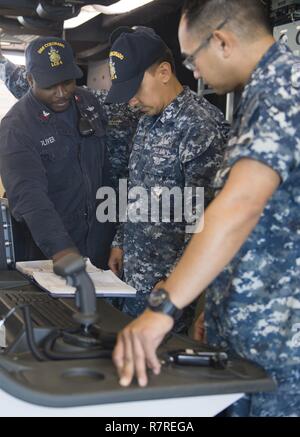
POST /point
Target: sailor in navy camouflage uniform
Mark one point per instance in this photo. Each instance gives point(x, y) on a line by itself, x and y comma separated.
point(181, 145)
point(259, 314)
point(253, 307)
point(252, 231)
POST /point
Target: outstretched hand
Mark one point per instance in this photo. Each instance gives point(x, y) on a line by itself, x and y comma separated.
point(137, 345)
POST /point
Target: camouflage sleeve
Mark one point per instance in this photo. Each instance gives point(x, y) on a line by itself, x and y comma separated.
point(120, 133)
point(119, 237)
point(122, 125)
point(121, 128)
point(194, 179)
point(14, 77)
point(270, 135)
point(100, 95)
point(201, 153)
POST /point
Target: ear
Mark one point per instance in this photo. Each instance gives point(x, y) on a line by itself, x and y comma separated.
point(164, 72)
point(30, 79)
point(224, 42)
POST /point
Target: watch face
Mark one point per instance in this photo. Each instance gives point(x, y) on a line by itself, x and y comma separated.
point(157, 298)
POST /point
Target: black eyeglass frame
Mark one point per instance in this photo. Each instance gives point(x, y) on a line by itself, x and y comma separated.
point(189, 61)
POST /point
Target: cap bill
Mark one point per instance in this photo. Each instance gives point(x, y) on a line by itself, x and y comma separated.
point(47, 80)
point(122, 92)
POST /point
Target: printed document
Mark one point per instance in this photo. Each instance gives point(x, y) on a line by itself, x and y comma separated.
point(106, 283)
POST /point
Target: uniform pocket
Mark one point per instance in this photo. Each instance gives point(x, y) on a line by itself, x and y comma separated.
point(54, 152)
point(58, 164)
point(163, 168)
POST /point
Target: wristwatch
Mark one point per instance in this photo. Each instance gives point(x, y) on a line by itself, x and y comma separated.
point(159, 302)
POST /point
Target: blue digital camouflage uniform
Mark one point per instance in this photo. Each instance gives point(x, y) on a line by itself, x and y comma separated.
point(253, 308)
point(183, 147)
point(14, 78)
point(121, 127)
point(122, 121)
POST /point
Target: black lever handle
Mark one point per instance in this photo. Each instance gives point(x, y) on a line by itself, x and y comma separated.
point(72, 267)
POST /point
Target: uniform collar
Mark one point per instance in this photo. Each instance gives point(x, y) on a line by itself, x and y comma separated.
point(44, 114)
point(84, 106)
point(173, 109)
point(274, 52)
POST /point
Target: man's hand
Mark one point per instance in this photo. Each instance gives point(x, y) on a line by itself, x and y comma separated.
point(63, 253)
point(199, 329)
point(115, 262)
point(136, 347)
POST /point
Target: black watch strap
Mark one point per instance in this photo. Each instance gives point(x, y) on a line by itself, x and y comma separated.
point(160, 302)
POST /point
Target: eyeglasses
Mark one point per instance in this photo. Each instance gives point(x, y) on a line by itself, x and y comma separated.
point(189, 61)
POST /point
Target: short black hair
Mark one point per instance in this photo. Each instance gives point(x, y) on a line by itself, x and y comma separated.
point(247, 17)
point(168, 57)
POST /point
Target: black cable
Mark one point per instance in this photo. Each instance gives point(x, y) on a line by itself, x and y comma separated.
point(30, 335)
point(68, 356)
point(107, 342)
